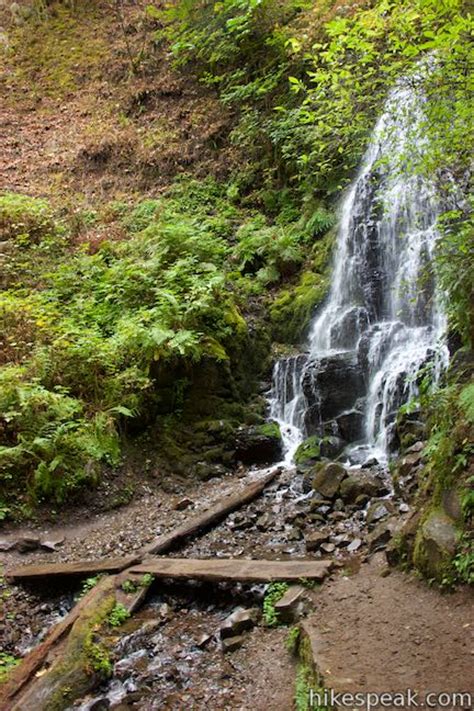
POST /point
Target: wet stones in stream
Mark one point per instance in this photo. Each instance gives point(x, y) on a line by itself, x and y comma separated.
point(185, 657)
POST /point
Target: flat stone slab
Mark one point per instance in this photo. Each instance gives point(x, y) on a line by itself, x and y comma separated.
point(245, 571)
point(80, 567)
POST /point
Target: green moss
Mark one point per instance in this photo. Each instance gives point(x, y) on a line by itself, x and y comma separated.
point(308, 450)
point(7, 663)
point(270, 429)
point(292, 308)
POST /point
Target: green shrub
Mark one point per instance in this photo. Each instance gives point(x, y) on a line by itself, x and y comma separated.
point(25, 219)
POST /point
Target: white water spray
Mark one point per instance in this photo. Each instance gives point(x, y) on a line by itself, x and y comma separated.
point(382, 321)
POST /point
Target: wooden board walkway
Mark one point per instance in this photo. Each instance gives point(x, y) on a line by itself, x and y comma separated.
point(78, 568)
point(235, 569)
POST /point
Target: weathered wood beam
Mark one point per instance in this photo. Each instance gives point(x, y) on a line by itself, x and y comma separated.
point(235, 569)
point(78, 568)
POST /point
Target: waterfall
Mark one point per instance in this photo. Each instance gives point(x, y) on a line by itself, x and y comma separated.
point(382, 321)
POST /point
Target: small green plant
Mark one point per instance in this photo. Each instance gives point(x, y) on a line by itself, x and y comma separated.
point(275, 592)
point(464, 561)
point(98, 658)
point(147, 580)
point(292, 640)
point(118, 615)
point(302, 688)
point(7, 663)
point(129, 587)
point(88, 584)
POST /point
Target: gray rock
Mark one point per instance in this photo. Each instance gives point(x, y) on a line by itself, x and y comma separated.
point(362, 483)
point(204, 640)
point(6, 544)
point(52, 544)
point(328, 478)
point(409, 463)
point(26, 544)
point(451, 503)
point(314, 540)
point(239, 621)
point(293, 605)
point(437, 543)
point(376, 512)
point(231, 644)
point(183, 504)
point(382, 534)
point(354, 545)
point(264, 522)
point(328, 547)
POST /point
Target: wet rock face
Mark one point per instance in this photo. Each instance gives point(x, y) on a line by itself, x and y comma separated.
point(257, 445)
point(331, 387)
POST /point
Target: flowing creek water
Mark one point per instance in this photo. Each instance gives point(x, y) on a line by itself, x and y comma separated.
point(381, 324)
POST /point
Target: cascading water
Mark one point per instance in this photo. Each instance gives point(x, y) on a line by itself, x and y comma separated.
point(382, 321)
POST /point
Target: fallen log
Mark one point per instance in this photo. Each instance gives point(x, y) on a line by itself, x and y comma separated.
point(203, 521)
point(32, 663)
point(235, 569)
point(78, 568)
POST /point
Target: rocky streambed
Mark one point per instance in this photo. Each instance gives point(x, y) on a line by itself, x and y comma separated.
point(173, 654)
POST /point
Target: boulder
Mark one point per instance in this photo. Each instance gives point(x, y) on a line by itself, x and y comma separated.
point(400, 548)
point(327, 479)
point(351, 425)
point(362, 482)
point(452, 506)
point(261, 444)
point(331, 386)
point(436, 544)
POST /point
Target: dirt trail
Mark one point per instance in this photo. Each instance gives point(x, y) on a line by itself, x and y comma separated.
point(377, 632)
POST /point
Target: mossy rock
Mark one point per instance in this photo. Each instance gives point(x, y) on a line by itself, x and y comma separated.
point(309, 451)
point(259, 445)
point(435, 545)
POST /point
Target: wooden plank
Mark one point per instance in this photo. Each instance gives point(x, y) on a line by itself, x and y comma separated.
point(245, 571)
point(35, 659)
point(80, 567)
point(216, 513)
